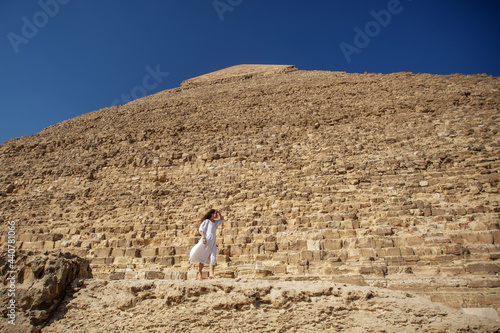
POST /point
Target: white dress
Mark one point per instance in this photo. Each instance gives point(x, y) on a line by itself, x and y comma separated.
point(201, 252)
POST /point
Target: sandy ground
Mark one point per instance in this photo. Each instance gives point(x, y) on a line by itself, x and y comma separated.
point(242, 305)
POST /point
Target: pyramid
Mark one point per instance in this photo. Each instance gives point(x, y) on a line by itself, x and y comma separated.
point(371, 179)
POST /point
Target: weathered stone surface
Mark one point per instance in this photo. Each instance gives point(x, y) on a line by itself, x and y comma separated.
point(352, 176)
point(41, 279)
point(252, 305)
point(483, 312)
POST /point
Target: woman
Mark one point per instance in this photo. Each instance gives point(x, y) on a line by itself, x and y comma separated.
point(206, 248)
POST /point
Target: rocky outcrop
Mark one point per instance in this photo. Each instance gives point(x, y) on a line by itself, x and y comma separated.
point(379, 180)
point(40, 285)
point(243, 305)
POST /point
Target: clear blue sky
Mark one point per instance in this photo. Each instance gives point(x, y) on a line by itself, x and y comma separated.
point(64, 58)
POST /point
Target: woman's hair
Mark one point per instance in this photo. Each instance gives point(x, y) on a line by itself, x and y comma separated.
point(208, 215)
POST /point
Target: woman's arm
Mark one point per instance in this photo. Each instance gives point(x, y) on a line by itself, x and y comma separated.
point(203, 238)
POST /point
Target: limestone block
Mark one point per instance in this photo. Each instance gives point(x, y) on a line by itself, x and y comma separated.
point(280, 257)
point(394, 261)
point(313, 245)
point(365, 242)
point(454, 249)
point(138, 262)
point(101, 275)
point(166, 251)
point(242, 239)
point(483, 282)
point(23, 245)
point(245, 250)
point(388, 252)
point(382, 230)
point(380, 268)
point(38, 238)
point(270, 246)
point(102, 252)
point(139, 242)
point(261, 257)
point(441, 259)
point(301, 244)
point(182, 250)
point(347, 233)
point(97, 236)
point(132, 252)
point(48, 245)
point(86, 244)
point(236, 251)
point(78, 251)
point(383, 243)
point(246, 257)
point(436, 240)
point(365, 269)
point(132, 274)
point(278, 269)
point(25, 237)
point(149, 260)
point(122, 260)
point(117, 275)
point(118, 252)
point(452, 270)
point(74, 231)
point(153, 275)
point(407, 251)
point(478, 237)
point(37, 245)
point(348, 224)
point(306, 255)
point(483, 268)
point(101, 261)
point(255, 248)
point(332, 244)
point(367, 253)
point(119, 243)
point(353, 253)
point(165, 261)
point(179, 259)
point(402, 241)
point(259, 238)
point(176, 275)
point(228, 239)
point(271, 237)
point(427, 251)
point(149, 252)
point(496, 236)
point(456, 238)
point(294, 257)
point(292, 246)
point(318, 255)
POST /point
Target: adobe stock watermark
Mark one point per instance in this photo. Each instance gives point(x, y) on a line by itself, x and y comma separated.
point(149, 82)
point(31, 27)
point(224, 6)
point(12, 273)
point(372, 29)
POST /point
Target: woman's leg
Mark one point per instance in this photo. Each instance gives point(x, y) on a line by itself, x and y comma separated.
point(212, 273)
point(200, 269)
point(213, 256)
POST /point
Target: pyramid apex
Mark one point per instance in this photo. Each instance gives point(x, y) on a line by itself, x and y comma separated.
point(237, 73)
